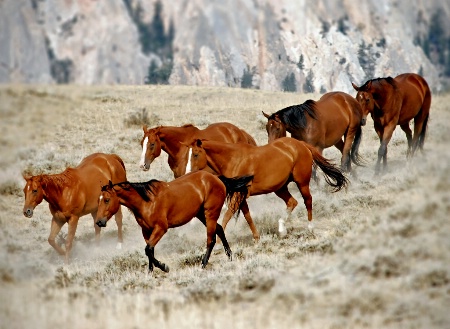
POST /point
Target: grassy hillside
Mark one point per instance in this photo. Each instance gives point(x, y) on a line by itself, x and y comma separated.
point(378, 258)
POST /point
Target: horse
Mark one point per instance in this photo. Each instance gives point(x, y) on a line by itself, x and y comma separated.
point(273, 167)
point(158, 206)
point(322, 124)
point(173, 139)
point(73, 194)
point(394, 102)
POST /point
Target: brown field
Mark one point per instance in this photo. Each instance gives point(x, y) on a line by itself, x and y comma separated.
point(379, 256)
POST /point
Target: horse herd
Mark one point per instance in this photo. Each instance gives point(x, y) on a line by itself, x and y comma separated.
point(222, 164)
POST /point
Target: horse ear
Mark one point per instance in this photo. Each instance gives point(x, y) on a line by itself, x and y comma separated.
point(355, 87)
point(26, 176)
point(368, 85)
point(145, 128)
point(266, 115)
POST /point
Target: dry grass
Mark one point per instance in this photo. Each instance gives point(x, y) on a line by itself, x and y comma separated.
point(379, 256)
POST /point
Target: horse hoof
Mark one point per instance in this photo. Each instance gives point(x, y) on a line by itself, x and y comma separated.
point(165, 268)
point(119, 246)
point(311, 227)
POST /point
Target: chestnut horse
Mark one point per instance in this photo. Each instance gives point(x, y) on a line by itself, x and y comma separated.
point(173, 139)
point(396, 101)
point(273, 167)
point(322, 124)
point(158, 206)
point(74, 193)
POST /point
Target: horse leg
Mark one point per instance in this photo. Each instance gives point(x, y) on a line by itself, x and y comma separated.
point(152, 237)
point(118, 217)
point(349, 138)
point(382, 151)
point(54, 230)
point(379, 130)
point(96, 228)
point(290, 202)
point(220, 233)
point(248, 218)
point(73, 223)
point(408, 132)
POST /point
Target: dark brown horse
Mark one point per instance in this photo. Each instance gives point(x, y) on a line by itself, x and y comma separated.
point(74, 193)
point(273, 167)
point(396, 101)
point(173, 141)
point(322, 124)
point(158, 206)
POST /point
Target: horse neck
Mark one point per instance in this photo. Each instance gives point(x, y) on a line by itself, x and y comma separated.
point(132, 200)
point(53, 186)
point(219, 157)
point(172, 136)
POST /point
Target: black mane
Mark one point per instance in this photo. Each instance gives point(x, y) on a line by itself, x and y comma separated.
point(144, 189)
point(389, 80)
point(294, 116)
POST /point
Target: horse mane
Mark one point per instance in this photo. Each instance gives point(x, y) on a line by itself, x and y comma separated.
point(187, 125)
point(144, 189)
point(389, 80)
point(59, 181)
point(294, 116)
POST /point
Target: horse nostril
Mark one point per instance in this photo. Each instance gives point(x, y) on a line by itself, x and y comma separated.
point(28, 213)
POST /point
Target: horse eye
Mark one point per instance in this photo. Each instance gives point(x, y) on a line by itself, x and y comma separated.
point(106, 201)
point(34, 191)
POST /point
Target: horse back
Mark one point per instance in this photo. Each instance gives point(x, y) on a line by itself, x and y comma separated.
point(95, 171)
point(226, 132)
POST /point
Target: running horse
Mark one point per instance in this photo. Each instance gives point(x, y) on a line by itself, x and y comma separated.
point(173, 141)
point(396, 101)
point(335, 119)
point(74, 193)
point(158, 206)
point(273, 167)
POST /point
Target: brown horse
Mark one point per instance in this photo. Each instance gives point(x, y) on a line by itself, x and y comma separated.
point(173, 141)
point(74, 193)
point(322, 124)
point(158, 206)
point(396, 101)
point(273, 167)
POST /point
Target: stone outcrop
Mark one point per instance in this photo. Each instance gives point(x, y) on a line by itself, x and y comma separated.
point(271, 45)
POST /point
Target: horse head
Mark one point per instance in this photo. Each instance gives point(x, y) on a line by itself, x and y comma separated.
point(151, 147)
point(197, 157)
point(34, 194)
point(108, 204)
point(365, 99)
point(274, 127)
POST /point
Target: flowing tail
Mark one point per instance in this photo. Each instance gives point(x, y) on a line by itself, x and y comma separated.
point(333, 175)
point(354, 152)
point(237, 190)
point(423, 133)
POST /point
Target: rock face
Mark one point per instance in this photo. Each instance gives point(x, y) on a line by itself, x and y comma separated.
point(271, 45)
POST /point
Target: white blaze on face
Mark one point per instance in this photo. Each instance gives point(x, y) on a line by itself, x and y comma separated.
point(144, 149)
point(188, 166)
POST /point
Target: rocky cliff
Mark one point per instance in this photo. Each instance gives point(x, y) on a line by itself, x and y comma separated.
point(271, 45)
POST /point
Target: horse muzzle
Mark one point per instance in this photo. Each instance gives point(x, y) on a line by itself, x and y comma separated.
point(28, 212)
point(101, 223)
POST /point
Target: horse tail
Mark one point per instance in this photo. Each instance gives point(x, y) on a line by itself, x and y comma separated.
point(333, 175)
point(425, 107)
point(354, 151)
point(236, 191)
